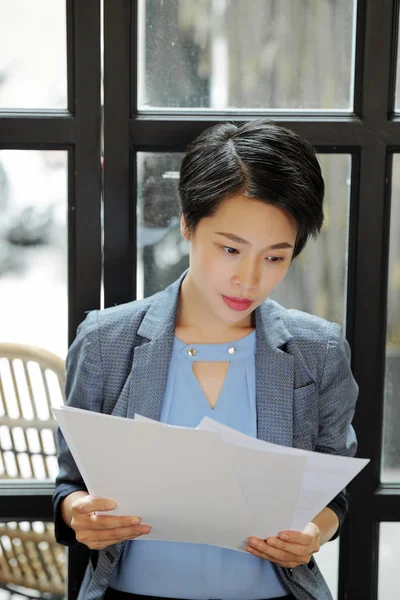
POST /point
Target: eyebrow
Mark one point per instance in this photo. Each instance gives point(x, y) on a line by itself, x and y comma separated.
point(239, 240)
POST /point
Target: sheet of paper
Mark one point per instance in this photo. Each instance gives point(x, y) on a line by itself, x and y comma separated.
point(210, 485)
point(324, 475)
point(143, 419)
point(180, 481)
point(270, 483)
point(258, 475)
point(237, 437)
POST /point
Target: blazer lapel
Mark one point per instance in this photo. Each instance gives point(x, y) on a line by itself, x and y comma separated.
point(151, 359)
point(274, 367)
point(274, 377)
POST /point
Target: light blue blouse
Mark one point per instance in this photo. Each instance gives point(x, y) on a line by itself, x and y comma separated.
point(198, 571)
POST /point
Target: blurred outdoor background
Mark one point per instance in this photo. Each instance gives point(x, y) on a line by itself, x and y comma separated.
point(210, 54)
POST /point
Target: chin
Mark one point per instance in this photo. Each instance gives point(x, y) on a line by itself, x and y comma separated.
point(234, 318)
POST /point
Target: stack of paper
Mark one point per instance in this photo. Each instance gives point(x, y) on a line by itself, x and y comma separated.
point(209, 485)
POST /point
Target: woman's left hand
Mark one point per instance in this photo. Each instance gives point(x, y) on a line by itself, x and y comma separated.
point(290, 548)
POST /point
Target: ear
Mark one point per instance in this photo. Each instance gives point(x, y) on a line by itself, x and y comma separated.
point(184, 230)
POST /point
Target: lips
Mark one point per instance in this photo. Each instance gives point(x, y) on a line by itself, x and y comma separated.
point(237, 303)
point(239, 299)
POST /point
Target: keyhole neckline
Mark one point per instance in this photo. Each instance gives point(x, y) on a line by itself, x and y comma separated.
point(226, 351)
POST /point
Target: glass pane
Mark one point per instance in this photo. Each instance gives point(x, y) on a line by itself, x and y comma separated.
point(33, 565)
point(397, 90)
point(316, 280)
point(33, 308)
point(391, 438)
point(389, 550)
point(162, 253)
point(33, 54)
point(275, 54)
point(328, 562)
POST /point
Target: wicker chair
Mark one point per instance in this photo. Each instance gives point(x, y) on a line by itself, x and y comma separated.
point(31, 381)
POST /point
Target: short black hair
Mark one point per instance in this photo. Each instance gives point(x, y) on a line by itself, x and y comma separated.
point(260, 159)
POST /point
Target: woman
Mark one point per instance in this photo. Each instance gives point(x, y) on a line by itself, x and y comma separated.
point(214, 344)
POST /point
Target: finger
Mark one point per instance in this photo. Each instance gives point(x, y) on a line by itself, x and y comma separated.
point(274, 553)
point(260, 545)
point(112, 535)
point(112, 522)
point(256, 552)
point(122, 533)
point(100, 545)
point(87, 505)
point(296, 537)
point(145, 531)
point(287, 564)
point(296, 549)
point(282, 556)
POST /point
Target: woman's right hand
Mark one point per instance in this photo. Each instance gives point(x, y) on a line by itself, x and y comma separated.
point(99, 531)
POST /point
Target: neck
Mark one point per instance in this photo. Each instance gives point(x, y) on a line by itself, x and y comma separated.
point(195, 319)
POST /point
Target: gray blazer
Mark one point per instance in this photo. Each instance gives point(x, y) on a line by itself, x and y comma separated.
point(305, 397)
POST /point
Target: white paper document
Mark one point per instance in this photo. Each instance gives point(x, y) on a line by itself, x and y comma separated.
point(323, 477)
point(209, 485)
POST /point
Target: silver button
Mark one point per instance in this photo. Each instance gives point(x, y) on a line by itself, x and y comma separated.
point(232, 350)
point(191, 351)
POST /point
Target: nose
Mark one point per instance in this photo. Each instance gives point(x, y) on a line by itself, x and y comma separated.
point(247, 274)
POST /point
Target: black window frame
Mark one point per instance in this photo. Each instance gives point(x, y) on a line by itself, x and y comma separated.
point(76, 130)
point(370, 134)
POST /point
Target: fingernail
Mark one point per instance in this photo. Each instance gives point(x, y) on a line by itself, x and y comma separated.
point(135, 520)
point(110, 505)
point(146, 529)
point(283, 536)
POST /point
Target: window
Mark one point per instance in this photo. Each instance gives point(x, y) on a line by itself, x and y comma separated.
point(178, 88)
point(50, 259)
point(171, 69)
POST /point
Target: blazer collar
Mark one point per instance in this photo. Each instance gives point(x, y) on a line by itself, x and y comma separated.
point(274, 366)
point(161, 317)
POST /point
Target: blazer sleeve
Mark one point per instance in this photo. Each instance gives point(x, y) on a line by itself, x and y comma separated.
point(84, 382)
point(338, 395)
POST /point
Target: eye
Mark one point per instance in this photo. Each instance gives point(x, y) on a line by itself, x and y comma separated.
point(275, 258)
point(229, 250)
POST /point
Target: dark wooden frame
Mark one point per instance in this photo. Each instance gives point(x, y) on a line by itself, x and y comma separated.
point(76, 130)
point(371, 134)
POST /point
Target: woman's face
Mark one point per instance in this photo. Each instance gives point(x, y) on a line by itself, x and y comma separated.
point(241, 252)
